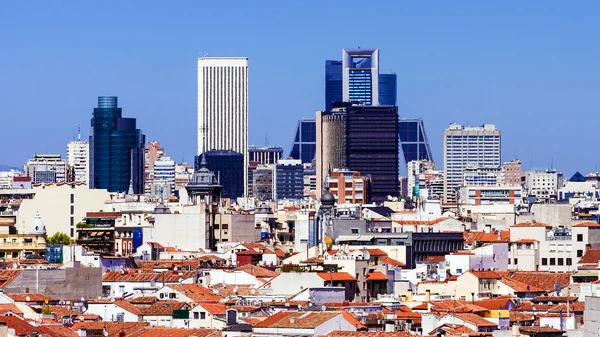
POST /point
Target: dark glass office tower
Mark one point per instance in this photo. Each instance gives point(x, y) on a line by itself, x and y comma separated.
point(305, 141)
point(228, 166)
point(333, 83)
point(371, 145)
point(289, 180)
point(413, 140)
point(387, 89)
point(116, 149)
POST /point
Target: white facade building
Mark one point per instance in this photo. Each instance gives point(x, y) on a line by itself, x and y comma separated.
point(78, 158)
point(164, 175)
point(223, 106)
point(414, 169)
point(543, 184)
point(464, 145)
point(6, 178)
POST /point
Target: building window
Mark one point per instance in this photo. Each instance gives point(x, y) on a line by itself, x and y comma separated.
point(202, 315)
point(216, 226)
point(579, 253)
point(552, 261)
point(544, 261)
point(72, 232)
point(72, 198)
point(579, 237)
point(72, 209)
point(121, 289)
point(561, 261)
point(516, 261)
point(72, 222)
point(569, 261)
point(225, 226)
point(354, 230)
point(196, 315)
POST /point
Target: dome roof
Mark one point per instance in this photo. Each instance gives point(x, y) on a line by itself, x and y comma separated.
point(327, 199)
point(263, 208)
point(37, 226)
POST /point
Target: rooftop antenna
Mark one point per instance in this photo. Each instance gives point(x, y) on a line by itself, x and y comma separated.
point(79, 132)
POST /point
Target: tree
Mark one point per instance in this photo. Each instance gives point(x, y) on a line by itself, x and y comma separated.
point(59, 238)
point(46, 310)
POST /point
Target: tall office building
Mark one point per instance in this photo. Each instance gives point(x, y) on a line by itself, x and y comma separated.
point(305, 141)
point(289, 180)
point(360, 76)
point(387, 89)
point(413, 140)
point(78, 158)
point(465, 146)
point(356, 78)
point(333, 83)
point(46, 168)
point(229, 167)
point(223, 106)
point(360, 138)
point(116, 149)
point(163, 177)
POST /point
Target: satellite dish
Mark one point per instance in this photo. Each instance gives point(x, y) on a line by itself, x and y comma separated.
point(379, 230)
point(83, 299)
point(366, 254)
point(323, 308)
point(27, 298)
point(299, 307)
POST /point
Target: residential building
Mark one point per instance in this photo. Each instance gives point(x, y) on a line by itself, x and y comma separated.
point(542, 185)
point(289, 180)
point(78, 158)
point(15, 244)
point(413, 140)
point(349, 186)
point(513, 172)
point(579, 188)
point(183, 175)
point(152, 153)
point(490, 195)
point(306, 323)
point(414, 169)
point(465, 145)
point(116, 149)
point(360, 138)
point(7, 178)
point(163, 177)
point(228, 166)
point(310, 181)
point(387, 89)
point(265, 155)
point(223, 107)
point(46, 168)
point(235, 227)
point(304, 144)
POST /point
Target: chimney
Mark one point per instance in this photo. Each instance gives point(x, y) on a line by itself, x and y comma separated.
point(499, 235)
point(588, 247)
point(427, 295)
point(409, 295)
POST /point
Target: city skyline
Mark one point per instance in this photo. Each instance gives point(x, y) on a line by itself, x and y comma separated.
point(496, 69)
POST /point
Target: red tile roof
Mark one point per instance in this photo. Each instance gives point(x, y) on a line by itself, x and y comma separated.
point(214, 308)
point(494, 304)
point(340, 333)
point(178, 332)
point(112, 328)
point(338, 276)
point(475, 319)
point(435, 259)
point(516, 317)
point(451, 330)
point(591, 256)
point(486, 274)
point(491, 237)
point(59, 330)
point(22, 327)
point(143, 300)
point(393, 262)
point(257, 271)
point(587, 224)
point(539, 329)
point(280, 253)
point(376, 252)
point(520, 287)
point(573, 307)
point(7, 276)
point(163, 308)
point(4, 308)
point(228, 290)
point(376, 276)
point(33, 297)
point(196, 293)
point(525, 241)
point(419, 222)
point(532, 224)
point(304, 319)
point(540, 279)
point(127, 306)
point(314, 259)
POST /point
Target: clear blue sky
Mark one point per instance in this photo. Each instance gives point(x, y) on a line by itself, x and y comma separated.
point(532, 68)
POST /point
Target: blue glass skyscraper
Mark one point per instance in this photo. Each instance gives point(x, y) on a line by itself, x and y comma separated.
point(387, 89)
point(116, 149)
point(413, 140)
point(229, 167)
point(333, 83)
point(305, 141)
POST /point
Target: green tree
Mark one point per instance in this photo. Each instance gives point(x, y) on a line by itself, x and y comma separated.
point(46, 310)
point(59, 238)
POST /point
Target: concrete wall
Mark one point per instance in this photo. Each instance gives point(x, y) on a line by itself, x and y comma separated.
point(62, 284)
point(591, 317)
point(54, 206)
point(185, 231)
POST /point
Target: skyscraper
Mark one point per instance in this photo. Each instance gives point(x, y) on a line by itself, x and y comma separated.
point(116, 149)
point(360, 76)
point(304, 145)
point(78, 158)
point(333, 83)
point(289, 180)
point(387, 89)
point(413, 140)
point(360, 138)
point(229, 167)
point(466, 145)
point(223, 106)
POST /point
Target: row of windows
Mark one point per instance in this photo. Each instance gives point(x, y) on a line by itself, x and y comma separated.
point(555, 261)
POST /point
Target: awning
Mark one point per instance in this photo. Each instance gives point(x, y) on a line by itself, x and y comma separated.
point(586, 273)
point(94, 234)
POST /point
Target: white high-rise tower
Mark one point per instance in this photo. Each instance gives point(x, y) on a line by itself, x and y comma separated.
point(223, 106)
point(78, 158)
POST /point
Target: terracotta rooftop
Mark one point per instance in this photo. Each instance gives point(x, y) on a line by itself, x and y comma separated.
point(163, 308)
point(525, 241)
point(112, 328)
point(214, 308)
point(434, 259)
point(494, 303)
point(196, 292)
point(539, 279)
point(227, 290)
point(304, 319)
point(376, 276)
point(178, 332)
point(143, 300)
point(587, 224)
point(314, 259)
point(539, 329)
point(376, 252)
point(338, 276)
point(520, 287)
point(4, 308)
point(128, 306)
point(59, 330)
point(591, 256)
point(485, 274)
point(474, 319)
point(257, 271)
point(338, 333)
point(419, 222)
point(516, 316)
point(451, 329)
point(573, 307)
point(532, 224)
point(33, 297)
point(491, 237)
point(554, 299)
point(393, 262)
point(7, 276)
